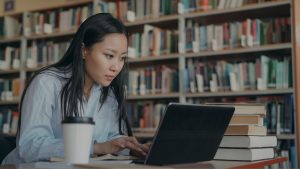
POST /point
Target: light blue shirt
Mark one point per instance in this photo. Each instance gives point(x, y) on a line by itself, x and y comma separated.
point(41, 134)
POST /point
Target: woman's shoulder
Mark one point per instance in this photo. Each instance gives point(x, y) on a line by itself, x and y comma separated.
point(50, 78)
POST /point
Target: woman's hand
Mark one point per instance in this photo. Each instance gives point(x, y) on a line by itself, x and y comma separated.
point(145, 147)
point(119, 144)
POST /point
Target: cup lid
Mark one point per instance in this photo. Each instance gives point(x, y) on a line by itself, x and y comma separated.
point(86, 120)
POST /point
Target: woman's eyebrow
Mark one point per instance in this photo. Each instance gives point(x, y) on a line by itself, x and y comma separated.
point(114, 51)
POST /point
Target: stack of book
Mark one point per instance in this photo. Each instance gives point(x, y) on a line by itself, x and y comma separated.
point(246, 136)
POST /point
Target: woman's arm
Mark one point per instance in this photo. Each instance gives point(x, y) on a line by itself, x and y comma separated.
point(37, 140)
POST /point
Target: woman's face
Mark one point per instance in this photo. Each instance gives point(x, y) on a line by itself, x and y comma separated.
point(104, 60)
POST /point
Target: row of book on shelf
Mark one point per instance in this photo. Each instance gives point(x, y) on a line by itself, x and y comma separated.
point(260, 73)
point(10, 89)
point(153, 79)
point(10, 58)
point(202, 76)
point(205, 5)
point(132, 10)
point(44, 22)
point(154, 41)
point(229, 35)
point(45, 52)
point(9, 121)
point(246, 138)
point(38, 54)
point(251, 31)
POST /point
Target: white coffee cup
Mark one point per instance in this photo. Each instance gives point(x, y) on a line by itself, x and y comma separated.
point(78, 134)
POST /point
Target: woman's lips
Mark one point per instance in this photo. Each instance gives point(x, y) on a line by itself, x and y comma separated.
point(109, 77)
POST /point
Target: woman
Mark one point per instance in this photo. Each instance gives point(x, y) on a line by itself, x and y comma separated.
point(87, 81)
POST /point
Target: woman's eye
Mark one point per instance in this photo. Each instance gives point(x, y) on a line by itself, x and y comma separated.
point(108, 56)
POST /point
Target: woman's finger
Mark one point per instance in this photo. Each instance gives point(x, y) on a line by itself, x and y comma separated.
point(135, 147)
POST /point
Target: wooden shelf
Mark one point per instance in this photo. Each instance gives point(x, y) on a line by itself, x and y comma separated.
point(263, 48)
point(12, 102)
point(154, 58)
point(241, 93)
point(11, 39)
point(257, 6)
point(153, 96)
point(165, 18)
point(12, 71)
point(66, 4)
point(52, 35)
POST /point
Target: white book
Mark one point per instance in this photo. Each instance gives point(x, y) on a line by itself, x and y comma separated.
point(11, 26)
point(145, 40)
point(249, 35)
point(210, 36)
point(196, 42)
point(245, 108)
point(239, 3)
point(233, 81)
point(27, 21)
point(218, 37)
point(264, 71)
point(221, 4)
point(227, 4)
point(285, 67)
point(233, 3)
point(142, 84)
point(248, 141)
point(200, 83)
point(7, 62)
point(244, 154)
point(155, 8)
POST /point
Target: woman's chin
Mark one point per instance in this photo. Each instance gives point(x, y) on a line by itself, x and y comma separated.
point(105, 84)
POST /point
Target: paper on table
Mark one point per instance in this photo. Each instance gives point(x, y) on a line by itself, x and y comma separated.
point(100, 158)
point(120, 166)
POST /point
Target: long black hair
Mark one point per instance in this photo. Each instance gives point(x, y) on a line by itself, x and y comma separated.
point(91, 31)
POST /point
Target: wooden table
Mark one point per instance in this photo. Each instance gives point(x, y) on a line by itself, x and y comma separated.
point(111, 165)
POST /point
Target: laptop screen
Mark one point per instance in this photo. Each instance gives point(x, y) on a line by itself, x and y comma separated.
point(189, 133)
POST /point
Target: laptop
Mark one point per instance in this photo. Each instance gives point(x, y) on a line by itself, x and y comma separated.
point(188, 133)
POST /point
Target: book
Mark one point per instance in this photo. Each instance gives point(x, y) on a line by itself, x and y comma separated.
point(246, 130)
point(245, 108)
point(247, 120)
point(244, 154)
point(248, 141)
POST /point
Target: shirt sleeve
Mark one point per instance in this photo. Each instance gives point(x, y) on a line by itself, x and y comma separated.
point(37, 141)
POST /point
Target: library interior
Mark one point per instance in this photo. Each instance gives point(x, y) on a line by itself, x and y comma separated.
point(236, 53)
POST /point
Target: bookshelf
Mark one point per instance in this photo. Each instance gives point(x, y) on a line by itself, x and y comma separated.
point(296, 47)
point(177, 60)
